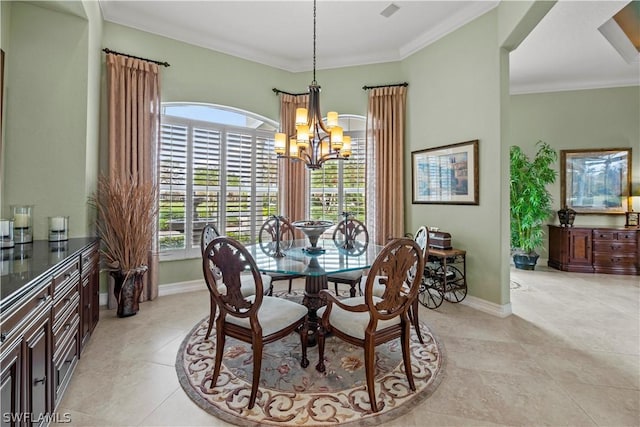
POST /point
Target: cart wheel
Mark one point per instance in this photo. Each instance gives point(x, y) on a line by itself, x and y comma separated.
point(456, 289)
point(430, 293)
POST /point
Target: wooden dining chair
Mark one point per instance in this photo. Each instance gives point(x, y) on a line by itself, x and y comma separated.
point(368, 321)
point(267, 238)
point(247, 286)
point(257, 319)
point(349, 234)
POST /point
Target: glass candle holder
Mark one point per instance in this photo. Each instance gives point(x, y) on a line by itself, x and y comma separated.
point(6, 233)
point(58, 228)
point(22, 224)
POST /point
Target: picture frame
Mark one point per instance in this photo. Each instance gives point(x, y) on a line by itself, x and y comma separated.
point(596, 181)
point(447, 174)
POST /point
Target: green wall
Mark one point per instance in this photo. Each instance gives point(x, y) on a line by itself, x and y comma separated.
point(201, 75)
point(458, 91)
point(598, 118)
point(51, 134)
point(454, 96)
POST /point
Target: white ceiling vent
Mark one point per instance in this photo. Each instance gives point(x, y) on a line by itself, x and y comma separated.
point(389, 10)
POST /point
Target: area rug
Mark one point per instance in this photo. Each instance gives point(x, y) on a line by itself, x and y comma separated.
point(292, 396)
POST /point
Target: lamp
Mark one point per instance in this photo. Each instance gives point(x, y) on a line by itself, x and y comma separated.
point(315, 141)
point(633, 218)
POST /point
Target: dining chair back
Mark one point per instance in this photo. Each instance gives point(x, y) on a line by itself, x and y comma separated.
point(349, 234)
point(370, 320)
point(256, 319)
point(422, 239)
point(277, 234)
point(210, 232)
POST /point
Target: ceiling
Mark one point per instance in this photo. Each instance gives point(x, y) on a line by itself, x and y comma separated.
point(565, 51)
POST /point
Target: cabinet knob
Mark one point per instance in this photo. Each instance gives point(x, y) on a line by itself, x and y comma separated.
point(39, 381)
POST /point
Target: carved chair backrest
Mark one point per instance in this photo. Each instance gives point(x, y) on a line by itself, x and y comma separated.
point(231, 259)
point(351, 229)
point(398, 268)
point(209, 232)
point(422, 239)
point(270, 230)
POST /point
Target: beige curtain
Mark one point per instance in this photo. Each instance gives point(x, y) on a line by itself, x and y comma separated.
point(292, 174)
point(385, 158)
point(134, 123)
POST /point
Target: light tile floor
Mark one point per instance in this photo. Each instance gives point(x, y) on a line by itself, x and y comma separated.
point(569, 355)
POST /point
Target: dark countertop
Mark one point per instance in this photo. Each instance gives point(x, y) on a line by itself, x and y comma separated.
point(26, 265)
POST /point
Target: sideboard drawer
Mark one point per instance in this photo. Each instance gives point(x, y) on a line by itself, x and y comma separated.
point(615, 246)
point(612, 260)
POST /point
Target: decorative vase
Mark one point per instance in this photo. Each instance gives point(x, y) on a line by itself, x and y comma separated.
point(566, 216)
point(127, 290)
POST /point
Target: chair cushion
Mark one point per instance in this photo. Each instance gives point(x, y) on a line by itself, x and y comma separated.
point(247, 285)
point(274, 314)
point(348, 276)
point(354, 324)
point(378, 289)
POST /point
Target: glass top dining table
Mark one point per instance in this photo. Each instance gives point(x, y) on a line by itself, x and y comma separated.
point(295, 259)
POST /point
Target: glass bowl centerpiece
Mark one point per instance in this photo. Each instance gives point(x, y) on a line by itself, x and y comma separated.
point(313, 229)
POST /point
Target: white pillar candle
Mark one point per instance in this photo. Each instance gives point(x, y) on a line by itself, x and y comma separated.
point(57, 223)
point(21, 220)
point(4, 227)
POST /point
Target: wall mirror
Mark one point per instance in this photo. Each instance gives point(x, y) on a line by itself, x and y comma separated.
point(596, 181)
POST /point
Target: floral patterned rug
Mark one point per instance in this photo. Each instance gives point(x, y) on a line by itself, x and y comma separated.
point(292, 396)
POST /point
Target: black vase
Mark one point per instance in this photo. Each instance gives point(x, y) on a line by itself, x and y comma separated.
point(525, 261)
point(127, 290)
point(566, 217)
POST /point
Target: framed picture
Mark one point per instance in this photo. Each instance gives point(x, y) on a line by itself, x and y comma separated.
point(446, 175)
point(596, 181)
point(633, 219)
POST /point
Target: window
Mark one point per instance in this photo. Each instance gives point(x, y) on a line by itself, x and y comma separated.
point(340, 185)
point(217, 165)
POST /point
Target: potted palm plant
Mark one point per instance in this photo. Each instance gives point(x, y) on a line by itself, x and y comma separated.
point(126, 211)
point(530, 201)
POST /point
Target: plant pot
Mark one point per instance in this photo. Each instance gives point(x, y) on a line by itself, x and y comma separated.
point(525, 261)
point(127, 290)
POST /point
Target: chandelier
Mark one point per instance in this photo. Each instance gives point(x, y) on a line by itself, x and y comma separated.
point(315, 141)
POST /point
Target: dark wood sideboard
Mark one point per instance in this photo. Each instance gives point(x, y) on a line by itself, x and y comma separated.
point(610, 250)
point(49, 307)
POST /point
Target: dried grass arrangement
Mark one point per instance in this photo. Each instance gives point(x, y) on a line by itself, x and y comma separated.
point(126, 222)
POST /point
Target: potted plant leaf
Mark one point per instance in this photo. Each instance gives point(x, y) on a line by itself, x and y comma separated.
point(126, 212)
point(530, 203)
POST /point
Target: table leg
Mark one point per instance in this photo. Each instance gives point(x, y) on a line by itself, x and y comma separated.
point(312, 287)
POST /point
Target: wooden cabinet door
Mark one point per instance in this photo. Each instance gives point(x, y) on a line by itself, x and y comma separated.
point(38, 378)
point(10, 381)
point(580, 252)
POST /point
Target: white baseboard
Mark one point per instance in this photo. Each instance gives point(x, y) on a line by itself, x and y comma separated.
point(170, 289)
point(181, 287)
point(488, 307)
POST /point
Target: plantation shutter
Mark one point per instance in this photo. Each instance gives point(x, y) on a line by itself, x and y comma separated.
point(173, 186)
point(205, 191)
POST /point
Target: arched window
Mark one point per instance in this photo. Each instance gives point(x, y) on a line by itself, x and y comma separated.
point(217, 165)
point(340, 185)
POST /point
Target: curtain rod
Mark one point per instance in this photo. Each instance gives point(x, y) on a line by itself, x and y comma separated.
point(391, 85)
point(278, 92)
point(106, 50)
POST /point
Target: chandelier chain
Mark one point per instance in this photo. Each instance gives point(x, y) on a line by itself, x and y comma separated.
point(314, 42)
